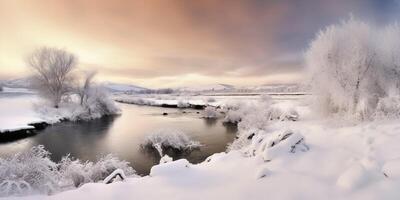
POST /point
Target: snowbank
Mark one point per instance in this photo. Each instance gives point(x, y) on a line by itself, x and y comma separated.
point(17, 112)
point(21, 110)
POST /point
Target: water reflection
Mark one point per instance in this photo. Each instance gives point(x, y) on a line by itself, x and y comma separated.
point(122, 136)
point(210, 121)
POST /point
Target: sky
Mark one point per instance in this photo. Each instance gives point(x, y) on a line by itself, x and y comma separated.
point(170, 43)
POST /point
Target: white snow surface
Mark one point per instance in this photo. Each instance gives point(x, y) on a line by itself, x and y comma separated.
point(17, 112)
point(311, 158)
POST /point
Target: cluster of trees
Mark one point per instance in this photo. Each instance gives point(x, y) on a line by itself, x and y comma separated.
point(56, 79)
point(355, 69)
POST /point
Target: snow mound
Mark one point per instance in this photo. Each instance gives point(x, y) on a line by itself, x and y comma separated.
point(355, 176)
point(169, 168)
point(262, 172)
point(164, 139)
point(165, 159)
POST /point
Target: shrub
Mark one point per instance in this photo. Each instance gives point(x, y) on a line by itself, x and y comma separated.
point(33, 172)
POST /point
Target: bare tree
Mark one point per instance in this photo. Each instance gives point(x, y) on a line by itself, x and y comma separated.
point(52, 68)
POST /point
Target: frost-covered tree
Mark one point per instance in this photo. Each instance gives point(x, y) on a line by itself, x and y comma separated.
point(83, 89)
point(52, 72)
point(390, 56)
point(352, 66)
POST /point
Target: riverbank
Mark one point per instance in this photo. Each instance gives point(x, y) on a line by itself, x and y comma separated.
point(24, 113)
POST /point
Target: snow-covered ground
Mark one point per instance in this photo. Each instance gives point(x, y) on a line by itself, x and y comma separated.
point(341, 161)
point(17, 109)
point(310, 158)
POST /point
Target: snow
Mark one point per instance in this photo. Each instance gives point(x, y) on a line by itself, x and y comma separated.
point(168, 168)
point(17, 112)
point(392, 168)
point(165, 159)
point(306, 158)
point(353, 177)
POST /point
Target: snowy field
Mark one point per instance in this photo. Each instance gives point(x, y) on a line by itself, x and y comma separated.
point(309, 158)
point(305, 158)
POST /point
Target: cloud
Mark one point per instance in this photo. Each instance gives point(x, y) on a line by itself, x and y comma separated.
point(148, 40)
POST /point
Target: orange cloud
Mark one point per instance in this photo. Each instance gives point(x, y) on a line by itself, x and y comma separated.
point(131, 40)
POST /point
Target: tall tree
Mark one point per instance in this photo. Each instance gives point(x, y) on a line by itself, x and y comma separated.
point(52, 72)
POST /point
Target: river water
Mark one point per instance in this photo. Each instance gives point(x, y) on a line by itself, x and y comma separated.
point(122, 136)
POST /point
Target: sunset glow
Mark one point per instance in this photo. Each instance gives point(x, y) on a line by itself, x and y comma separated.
point(181, 42)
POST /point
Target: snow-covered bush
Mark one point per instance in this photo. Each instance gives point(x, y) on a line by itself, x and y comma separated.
point(352, 66)
point(183, 104)
point(98, 104)
point(28, 172)
point(163, 139)
point(255, 115)
point(76, 172)
point(210, 112)
point(233, 116)
point(33, 172)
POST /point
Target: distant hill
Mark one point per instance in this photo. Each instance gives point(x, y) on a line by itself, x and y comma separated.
point(278, 88)
point(17, 83)
point(122, 88)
